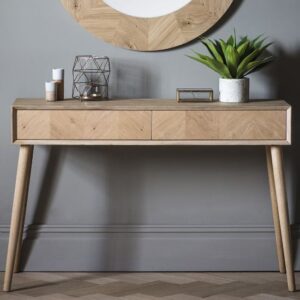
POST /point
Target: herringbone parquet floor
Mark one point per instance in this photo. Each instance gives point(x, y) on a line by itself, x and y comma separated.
point(150, 286)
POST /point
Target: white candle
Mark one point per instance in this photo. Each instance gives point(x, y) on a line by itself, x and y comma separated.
point(50, 86)
point(51, 91)
point(58, 74)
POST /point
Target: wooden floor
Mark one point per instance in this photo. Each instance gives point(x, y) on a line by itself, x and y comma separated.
point(150, 286)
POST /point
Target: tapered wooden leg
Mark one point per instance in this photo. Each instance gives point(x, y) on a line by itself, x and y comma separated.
point(23, 213)
point(278, 238)
point(279, 180)
point(16, 218)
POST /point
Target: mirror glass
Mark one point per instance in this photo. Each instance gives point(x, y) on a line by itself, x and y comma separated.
point(147, 8)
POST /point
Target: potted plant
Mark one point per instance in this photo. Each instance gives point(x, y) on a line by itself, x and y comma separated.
point(234, 60)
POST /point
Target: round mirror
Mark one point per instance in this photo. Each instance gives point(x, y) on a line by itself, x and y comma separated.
point(147, 25)
point(146, 8)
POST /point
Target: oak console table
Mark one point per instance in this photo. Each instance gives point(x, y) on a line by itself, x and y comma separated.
point(152, 122)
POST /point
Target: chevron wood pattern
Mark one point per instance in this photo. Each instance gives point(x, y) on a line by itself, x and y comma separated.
point(147, 34)
point(150, 286)
point(214, 125)
point(151, 120)
point(66, 124)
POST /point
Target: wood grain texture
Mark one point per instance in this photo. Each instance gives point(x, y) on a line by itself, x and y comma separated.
point(150, 286)
point(276, 221)
point(78, 125)
point(147, 104)
point(150, 122)
point(149, 143)
point(281, 196)
point(18, 211)
point(147, 34)
point(23, 214)
point(218, 125)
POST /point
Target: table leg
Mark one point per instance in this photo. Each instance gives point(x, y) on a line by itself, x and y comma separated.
point(278, 238)
point(279, 180)
point(20, 189)
point(23, 213)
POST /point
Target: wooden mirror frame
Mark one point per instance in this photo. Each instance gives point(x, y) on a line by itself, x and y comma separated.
point(147, 34)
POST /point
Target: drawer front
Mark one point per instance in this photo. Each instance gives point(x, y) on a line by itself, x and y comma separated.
point(82, 125)
point(219, 125)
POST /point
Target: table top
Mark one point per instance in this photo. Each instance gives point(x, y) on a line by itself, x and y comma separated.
point(147, 104)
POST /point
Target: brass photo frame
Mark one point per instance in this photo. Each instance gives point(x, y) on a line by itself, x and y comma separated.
point(191, 95)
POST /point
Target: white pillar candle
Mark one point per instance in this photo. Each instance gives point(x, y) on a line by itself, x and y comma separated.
point(58, 74)
point(51, 91)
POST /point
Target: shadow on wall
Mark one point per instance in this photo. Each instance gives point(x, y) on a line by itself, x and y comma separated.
point(131, 80)
point(121, 178)
point(47, 189)
point(118, 190)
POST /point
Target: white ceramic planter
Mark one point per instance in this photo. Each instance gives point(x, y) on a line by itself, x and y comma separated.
point(234, 90)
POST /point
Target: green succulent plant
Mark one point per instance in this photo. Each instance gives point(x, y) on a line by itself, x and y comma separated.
point(234, 59)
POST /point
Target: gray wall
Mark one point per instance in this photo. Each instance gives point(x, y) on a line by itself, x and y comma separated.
point(130, 208)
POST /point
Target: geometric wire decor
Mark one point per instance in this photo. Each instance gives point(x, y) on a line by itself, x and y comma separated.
point(90, 77)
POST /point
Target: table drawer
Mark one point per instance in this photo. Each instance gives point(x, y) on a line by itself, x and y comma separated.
point(82, 125)
point(219, 125)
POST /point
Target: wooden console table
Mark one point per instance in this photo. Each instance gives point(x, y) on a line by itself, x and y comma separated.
point(152, 122)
